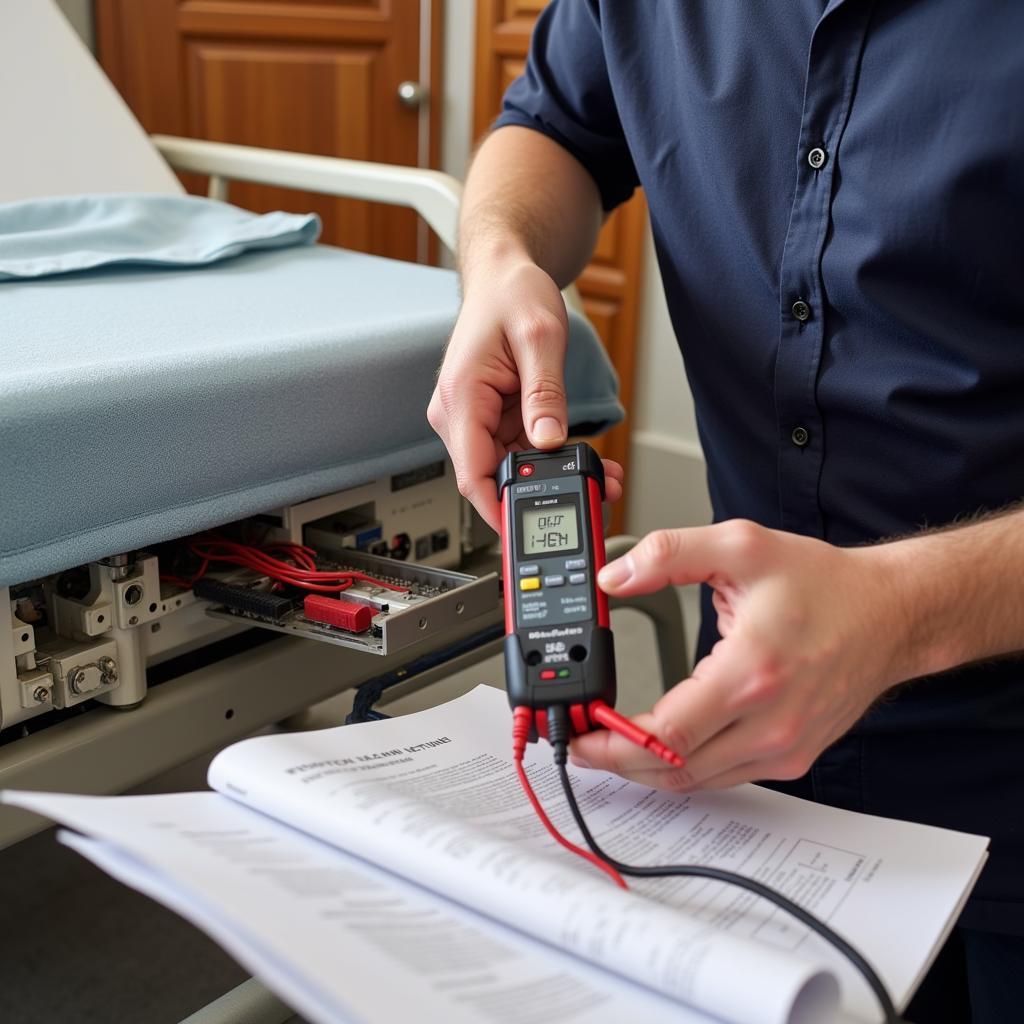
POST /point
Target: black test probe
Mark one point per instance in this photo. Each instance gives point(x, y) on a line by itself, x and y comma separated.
point(560, 658)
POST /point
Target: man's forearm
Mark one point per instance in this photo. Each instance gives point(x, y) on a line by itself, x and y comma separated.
point(527, 198)
point(960, 592)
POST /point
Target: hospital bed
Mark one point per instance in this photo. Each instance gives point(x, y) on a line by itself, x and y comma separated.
point(284, 390)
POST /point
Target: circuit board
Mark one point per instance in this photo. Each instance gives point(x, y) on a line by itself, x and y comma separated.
point(368, 615)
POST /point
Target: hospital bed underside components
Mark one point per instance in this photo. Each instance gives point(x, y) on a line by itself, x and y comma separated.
point(134, 435)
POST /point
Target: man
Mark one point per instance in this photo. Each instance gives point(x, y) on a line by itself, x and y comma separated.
point(837, 196)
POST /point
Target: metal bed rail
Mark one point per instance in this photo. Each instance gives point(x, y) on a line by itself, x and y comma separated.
point(435, 196)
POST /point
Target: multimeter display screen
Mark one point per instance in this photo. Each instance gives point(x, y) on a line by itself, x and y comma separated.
point(550, 528)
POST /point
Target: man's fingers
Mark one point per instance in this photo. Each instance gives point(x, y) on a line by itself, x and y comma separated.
point(677, 557)
point(761, 747)
point(613, 471)
point(474, 456)
point(466, 417)
point(786, 768)
point(613, 477)
point(612, 489)
point(661, 777)
point(701, 719)
point(734, 777)
point(538, 341)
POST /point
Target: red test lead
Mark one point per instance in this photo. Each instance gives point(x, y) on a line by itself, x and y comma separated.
point(522, 723)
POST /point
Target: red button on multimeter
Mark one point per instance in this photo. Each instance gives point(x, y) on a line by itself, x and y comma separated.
point(558, 645)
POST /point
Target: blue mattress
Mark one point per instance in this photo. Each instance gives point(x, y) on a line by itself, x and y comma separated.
point(142, 404)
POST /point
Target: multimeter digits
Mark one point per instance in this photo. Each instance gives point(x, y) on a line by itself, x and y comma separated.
point(558, 644)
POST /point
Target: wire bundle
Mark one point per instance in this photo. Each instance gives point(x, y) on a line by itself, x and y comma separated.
point(283, 561)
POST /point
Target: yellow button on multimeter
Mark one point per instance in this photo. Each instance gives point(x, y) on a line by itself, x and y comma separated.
point(530, 583)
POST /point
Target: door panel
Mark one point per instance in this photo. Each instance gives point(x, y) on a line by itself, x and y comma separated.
point(319, 76)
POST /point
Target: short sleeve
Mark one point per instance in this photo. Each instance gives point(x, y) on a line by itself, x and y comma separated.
point(565, 93)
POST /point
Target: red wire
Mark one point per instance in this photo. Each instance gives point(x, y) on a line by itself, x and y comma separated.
point(300, 572)
point(521, 720)
point(558, 837)
point(603, 714)
point(180, 581)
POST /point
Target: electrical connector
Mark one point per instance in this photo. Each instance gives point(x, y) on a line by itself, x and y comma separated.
point(522, 722)
point(356, 618)
point(558, 732)
point(244, 599)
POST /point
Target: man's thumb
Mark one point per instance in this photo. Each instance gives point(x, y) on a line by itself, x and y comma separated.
point(541, 362)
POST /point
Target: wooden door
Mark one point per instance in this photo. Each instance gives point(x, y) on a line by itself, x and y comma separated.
point(610, 285)
point(311, 76)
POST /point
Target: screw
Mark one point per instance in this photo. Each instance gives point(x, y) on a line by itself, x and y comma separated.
point(108, 668)
point(76, 680)
point(119, 566)
point(40, 694)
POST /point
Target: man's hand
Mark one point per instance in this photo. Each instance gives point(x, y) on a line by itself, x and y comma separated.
point(501, 387)
point(812, 634)
point(529, 220)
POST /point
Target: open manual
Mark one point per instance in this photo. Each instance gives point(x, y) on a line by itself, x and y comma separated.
point(394, 871)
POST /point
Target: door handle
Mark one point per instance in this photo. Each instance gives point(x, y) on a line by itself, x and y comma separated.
point(412, 94)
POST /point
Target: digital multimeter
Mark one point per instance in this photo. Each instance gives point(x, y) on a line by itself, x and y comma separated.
point(558, 644)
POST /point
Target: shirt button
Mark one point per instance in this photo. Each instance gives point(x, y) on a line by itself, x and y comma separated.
point(801, 311)
point(800, 436)
point(817, 157)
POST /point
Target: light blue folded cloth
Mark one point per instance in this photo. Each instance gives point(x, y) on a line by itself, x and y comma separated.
point(41, 237)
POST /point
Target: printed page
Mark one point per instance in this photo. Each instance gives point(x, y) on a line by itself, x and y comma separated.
point(427, 797)
point(335, 938)
point(434, 796)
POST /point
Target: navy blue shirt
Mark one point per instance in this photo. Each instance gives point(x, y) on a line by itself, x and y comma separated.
point(837, 197)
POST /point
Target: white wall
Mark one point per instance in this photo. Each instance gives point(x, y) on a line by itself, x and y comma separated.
point(457, 115)
point(79, 13)
point(457, 102)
